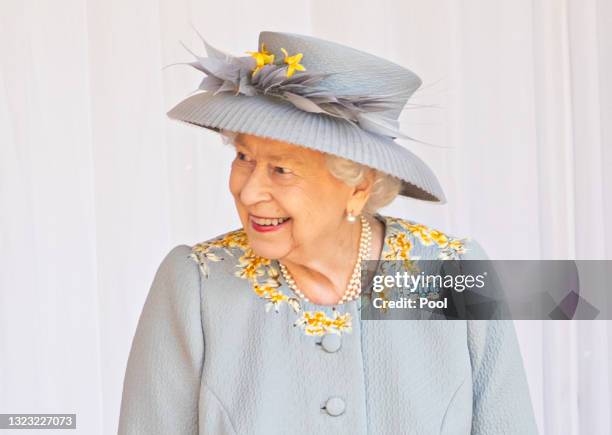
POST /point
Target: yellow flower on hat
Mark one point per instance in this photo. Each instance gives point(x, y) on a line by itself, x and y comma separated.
point(262, 58)
point(293, 62)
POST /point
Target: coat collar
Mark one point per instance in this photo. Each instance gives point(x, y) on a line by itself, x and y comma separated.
point(263, 274)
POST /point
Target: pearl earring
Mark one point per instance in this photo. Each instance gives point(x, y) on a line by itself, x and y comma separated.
point(350, 217)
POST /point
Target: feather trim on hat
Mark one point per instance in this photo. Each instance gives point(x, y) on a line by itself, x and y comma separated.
point(258, 74)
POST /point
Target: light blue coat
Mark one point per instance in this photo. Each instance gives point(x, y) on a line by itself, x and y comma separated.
point(207, 358)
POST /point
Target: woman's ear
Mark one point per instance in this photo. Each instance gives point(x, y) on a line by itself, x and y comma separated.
point(361, 193)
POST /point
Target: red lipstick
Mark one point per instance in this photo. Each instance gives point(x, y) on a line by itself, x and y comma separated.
point(266, 228)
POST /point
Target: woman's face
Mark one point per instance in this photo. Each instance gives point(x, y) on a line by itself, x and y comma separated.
point(287, 199)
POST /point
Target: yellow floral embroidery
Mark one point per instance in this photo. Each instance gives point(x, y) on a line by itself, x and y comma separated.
point(421, 231)
point(265, 282)
point(439, 237)
point(457, 246)
point(275, 299)
point(251, 266)
point(265, 278)
point(203, 252)
point(451, 248)
point(399, 246)
point(318, 323)
point(268, 290)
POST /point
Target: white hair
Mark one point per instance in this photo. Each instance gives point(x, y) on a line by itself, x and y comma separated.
point(384, 189)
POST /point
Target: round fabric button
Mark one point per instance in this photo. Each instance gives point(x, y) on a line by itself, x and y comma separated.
point(335, 406)
point(331, 343)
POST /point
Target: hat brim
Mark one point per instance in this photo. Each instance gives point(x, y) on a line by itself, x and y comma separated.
point(277, 119)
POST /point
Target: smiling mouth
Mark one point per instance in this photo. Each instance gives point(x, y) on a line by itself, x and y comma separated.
point(264, 224)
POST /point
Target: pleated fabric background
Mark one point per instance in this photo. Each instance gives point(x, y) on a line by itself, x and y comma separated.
point(96, 185)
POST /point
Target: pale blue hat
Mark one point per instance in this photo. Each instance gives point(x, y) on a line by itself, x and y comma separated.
point(314, 93)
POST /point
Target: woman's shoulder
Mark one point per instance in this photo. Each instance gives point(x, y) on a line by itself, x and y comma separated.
point(421, 240)
point(182, 261)
point(177, 262)
point(232, 245)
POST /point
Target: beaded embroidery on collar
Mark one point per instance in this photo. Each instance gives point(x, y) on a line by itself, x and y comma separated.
point(265, 278)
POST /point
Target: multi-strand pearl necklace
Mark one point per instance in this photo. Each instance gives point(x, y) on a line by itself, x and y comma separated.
point(354, 287)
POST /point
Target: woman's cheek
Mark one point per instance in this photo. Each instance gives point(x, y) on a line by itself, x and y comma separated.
point(292, 201)
point(235, 183)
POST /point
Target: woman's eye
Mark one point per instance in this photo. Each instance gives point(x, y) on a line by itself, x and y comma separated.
point(281, 170)
point(242, 156)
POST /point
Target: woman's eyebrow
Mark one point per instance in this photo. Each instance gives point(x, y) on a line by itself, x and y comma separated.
point(238, 142)
point(286, 158)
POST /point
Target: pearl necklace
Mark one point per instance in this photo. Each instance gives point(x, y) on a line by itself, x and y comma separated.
point(354, 287)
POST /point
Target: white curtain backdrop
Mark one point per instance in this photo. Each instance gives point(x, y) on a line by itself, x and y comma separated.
point(96, 185)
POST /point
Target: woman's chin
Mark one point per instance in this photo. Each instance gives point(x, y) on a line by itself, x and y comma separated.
point(268, 250)
point(266, 246)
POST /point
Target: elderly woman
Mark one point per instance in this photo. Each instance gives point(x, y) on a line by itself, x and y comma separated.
point(259, 330)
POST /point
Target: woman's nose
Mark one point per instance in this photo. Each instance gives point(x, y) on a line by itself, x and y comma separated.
point(256, 187)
